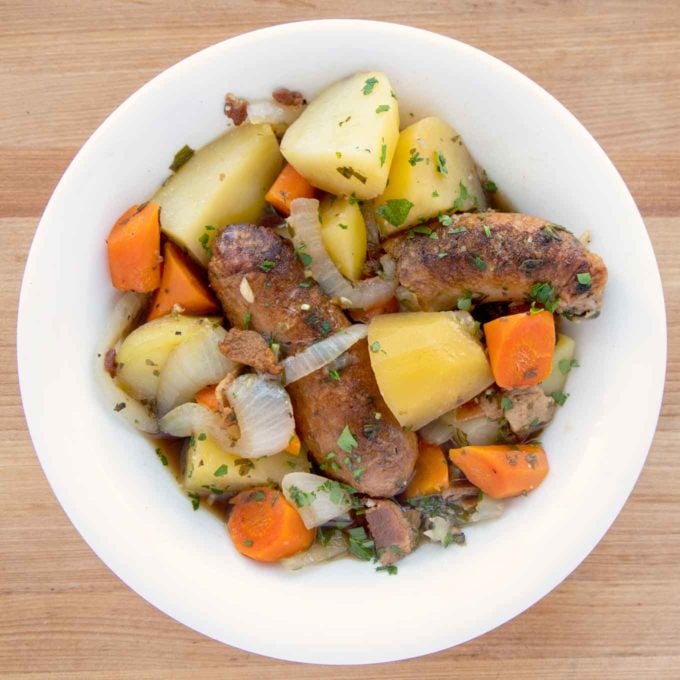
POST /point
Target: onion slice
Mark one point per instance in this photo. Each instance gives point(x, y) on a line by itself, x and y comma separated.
point(125, 313)
point(264, 416)
point(304, 218)
point(192, 365)
point(316, 498)
point(317, 553)
point(321, 353)
point(475, 432)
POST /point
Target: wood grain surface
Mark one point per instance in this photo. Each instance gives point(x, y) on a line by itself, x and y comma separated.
point(65, 65)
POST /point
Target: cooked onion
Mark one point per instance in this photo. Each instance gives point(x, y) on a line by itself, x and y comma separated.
point(318, 553)
point(304, 219)
point(124, 314)
point(321, 353)
point(487, 508)
point(263, 413)
point(270, 111)
point(475, 432)
point(316, 498)
point(192, 365)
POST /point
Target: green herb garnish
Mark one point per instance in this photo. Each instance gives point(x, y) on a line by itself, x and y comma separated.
point(221, 471)
point(382, 108)
point(369, 85)
point(181, 157)
point(395, 211)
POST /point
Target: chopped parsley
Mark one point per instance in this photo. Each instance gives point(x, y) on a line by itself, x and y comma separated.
point(463, 195)
point(119, 406)
point(204, 240)
point(181, 157)
point(333, 374)
point(440, 160)
point(391, 569)
point(375, 346)
point(565, 365)
point(435, 194)
point(383, 154)
point(267, 265)
point(305, 258)
point(414, 157)
point(348, 172)
point(382, 108)
point(335, 491)
point(369, 85)
point(301, 498)
point(360, 544)
point(202, 437)
point(161, 456)
point(395, 211)
point(195, 500)
point(584, 279)
point(490, 186)
point(221, 471)
point(559, 397)
point(487, 230)
point(478, 262)
point(464, 303)
point(544, 294)
point(506, 403)
point(325, 327)
point(248, 543)
point(346, 440)
point(246, 320)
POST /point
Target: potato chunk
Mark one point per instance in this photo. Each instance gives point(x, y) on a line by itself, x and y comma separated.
point(345, 139)
point(144, 352)
point(222, 183)
point(344, 235)
point(432, 172)
point(426, 363)
point(210, 469)
point(565, 349)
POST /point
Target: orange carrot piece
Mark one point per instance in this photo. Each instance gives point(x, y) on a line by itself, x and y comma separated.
point(294, 446)
point(207, 397)
point(134, 249)
point(288, 186)
point(432, 472)
point(181, 284)
point(265, 527)
point(502, 470)
point(365, 315)
point(521, 348)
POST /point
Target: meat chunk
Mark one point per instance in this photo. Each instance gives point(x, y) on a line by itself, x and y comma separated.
point(531, 409)
point(392, 532)
point(293, 311)
point(251, 349)
point(498, 257)
point(235, 108)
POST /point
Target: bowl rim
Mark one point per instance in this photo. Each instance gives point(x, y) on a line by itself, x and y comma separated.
point(70, 505)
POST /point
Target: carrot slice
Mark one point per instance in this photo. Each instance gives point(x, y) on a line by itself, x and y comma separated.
point(502, 470)
point(432, 472)
point(521, 348)
point(182, 285)
point(294, 446)
point(207, 397)
point(288, 186)
point(134, 248)
point(265, 527)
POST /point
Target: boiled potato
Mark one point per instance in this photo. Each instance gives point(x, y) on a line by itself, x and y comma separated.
point(345, 139)
point(222, 183)
point(344, 235)
point(565, 349)
point(210, 469)
point(425, 363)
point(431, 173)
point(144, 352)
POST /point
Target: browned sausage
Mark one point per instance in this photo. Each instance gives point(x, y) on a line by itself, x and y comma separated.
point(293, 312)
point(497, 257)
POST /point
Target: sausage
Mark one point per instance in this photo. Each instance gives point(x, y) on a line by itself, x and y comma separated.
point(292, 311)
point(498, 257)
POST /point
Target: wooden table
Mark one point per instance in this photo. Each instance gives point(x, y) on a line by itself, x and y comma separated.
point(65, 65)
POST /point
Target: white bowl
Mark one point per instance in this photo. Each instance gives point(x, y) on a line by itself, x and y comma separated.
point(130, 510)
